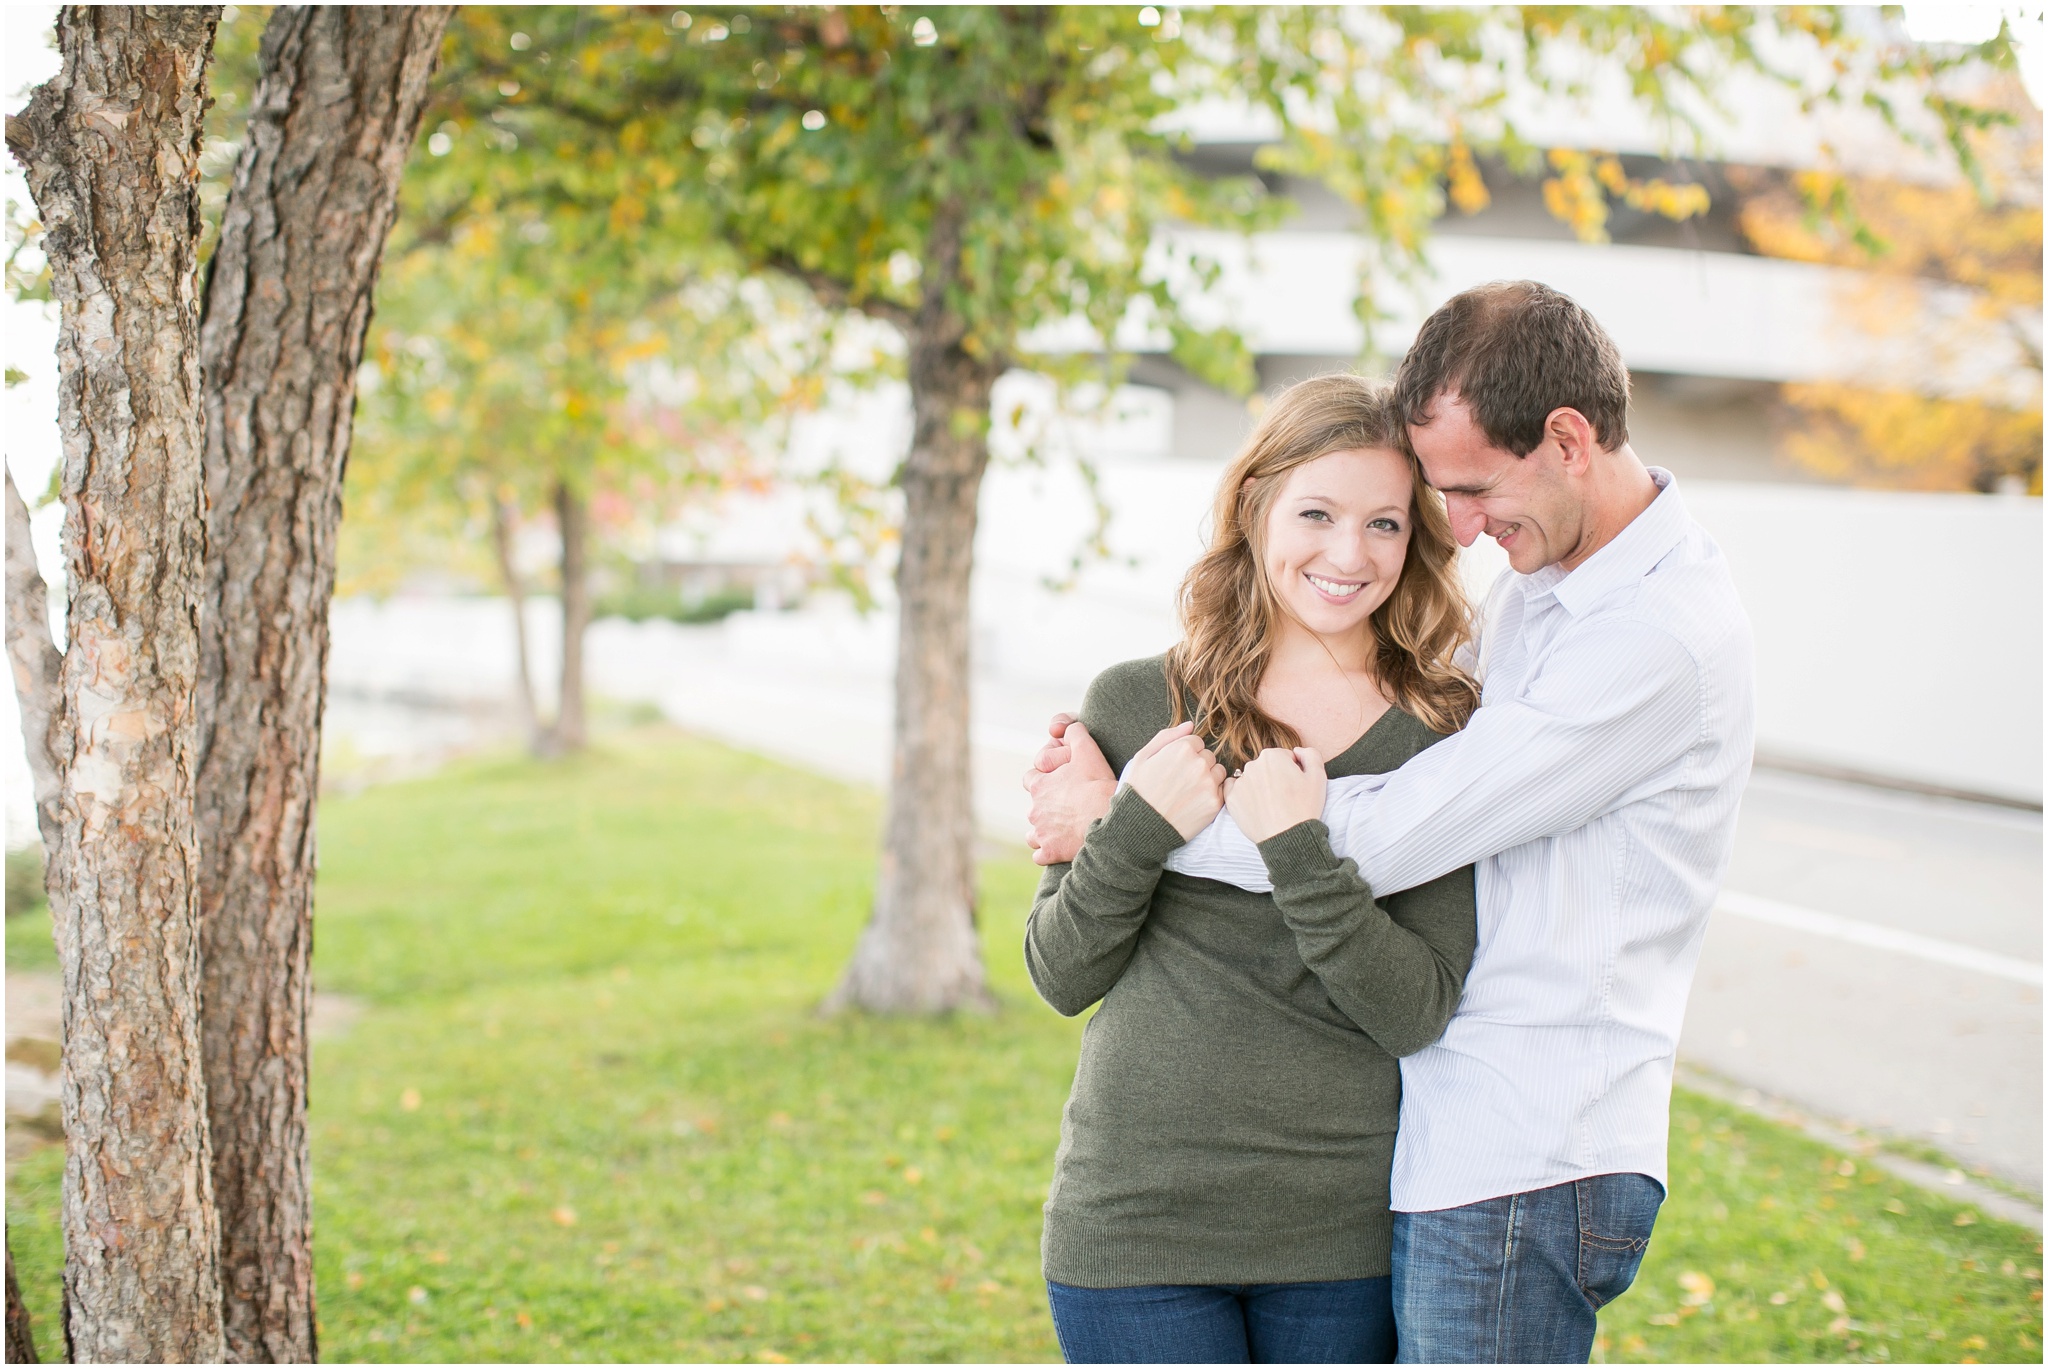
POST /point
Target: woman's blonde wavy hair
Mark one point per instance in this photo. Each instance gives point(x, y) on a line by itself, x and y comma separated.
point(1229, 612)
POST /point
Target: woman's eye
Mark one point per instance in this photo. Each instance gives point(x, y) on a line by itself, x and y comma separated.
point(1315, 513)
point(1385, 525)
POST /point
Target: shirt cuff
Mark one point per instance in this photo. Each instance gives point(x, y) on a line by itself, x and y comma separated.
point(1302, 852)
point(1133, 831)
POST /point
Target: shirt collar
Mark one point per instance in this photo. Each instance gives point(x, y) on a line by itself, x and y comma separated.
point(1630, 556)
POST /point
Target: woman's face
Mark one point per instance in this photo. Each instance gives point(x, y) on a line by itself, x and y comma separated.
point(1337, 536)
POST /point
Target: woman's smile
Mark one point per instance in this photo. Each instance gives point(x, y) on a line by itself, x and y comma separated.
point(1336, 591)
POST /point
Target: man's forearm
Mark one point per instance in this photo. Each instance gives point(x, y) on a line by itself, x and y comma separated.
point(1221, 851)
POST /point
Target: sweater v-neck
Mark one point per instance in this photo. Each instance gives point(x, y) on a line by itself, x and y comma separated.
point(1348, 761)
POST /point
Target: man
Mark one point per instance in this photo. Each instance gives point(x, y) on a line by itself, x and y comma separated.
point(1596, 790)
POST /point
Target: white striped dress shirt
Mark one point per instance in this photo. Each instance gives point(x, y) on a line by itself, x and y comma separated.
point(1596, 790)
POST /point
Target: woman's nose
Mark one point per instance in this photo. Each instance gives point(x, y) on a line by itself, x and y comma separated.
point(1349, 552)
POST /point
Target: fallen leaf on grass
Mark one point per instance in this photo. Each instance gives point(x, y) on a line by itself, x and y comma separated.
point(1838, 1326)
point(874, 1197)
point(416, 1295)
point(715, 1304)
point(409, 1100)
point(1833, 1301)
point(1664, 1319)
point(354, 1279)
point(525, 1321)
point(1976, 1343)
point(1966, 1219)
point(753, 1292)
point(773, 1357)
point(1699, 1289)
point(1894, 1205)
point(913, 1175)
point(1634, 1345)
point(564, 1216)
point(437, 1257)
point(1780, 1299)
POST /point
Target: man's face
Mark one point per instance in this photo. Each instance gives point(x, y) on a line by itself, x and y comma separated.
point(1525, 503)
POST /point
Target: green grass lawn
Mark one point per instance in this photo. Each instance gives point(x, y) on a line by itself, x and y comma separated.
point(589, 1112)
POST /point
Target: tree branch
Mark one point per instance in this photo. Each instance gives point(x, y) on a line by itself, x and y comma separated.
point(834, 293)
point(38, 665)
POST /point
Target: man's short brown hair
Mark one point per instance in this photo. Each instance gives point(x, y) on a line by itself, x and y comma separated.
point(1514, 351)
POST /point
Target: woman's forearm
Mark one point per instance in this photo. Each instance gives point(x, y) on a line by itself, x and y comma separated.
point(1394, 968)
point(1087, 915)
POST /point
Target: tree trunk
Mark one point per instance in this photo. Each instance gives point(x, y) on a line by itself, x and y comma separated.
point(337, 102)
point(21, 1336)
point(920, 952)
point(502, 515)
point(112, 151)
point(573, 515)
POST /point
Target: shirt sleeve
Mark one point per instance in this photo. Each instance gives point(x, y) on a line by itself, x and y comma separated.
point(1605, 722)
point(1221, 851)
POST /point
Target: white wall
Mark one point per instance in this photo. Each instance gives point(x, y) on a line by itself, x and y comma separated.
point(1898, 633)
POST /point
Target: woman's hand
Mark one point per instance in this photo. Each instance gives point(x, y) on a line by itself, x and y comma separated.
point(1278, 790)
point(1180, 778)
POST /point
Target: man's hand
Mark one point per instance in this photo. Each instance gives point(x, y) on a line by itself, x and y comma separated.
point(1278, 790)
point(1180, 778)
point(1070, 785)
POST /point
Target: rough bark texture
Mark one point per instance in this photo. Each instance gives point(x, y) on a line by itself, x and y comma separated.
point(21, 1339)
point(111, 146)
point(502, 525)
point(920, 952)
point(572, 515)
point(337, 102)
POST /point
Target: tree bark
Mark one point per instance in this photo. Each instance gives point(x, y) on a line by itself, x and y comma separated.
point(21, 1336)
point(337, 103)
point(920, 952)
point(570, 731)
point(502, 516)
point(111, 147)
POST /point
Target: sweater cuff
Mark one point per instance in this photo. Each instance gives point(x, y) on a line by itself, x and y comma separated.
point(1302, 852)
point(1133, 831)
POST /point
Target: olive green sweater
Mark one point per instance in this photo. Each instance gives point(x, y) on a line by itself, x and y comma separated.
point(1233, 1115)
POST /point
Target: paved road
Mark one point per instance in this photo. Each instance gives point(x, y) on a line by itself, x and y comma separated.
point(1893, 1040)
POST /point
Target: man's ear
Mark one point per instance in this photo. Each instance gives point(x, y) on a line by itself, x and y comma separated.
point(1577, 443)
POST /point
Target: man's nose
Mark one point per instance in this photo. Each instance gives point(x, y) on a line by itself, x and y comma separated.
point(1468, 519)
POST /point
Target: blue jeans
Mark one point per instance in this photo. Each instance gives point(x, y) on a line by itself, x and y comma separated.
point(1347, 1321)
point(1517, 1280)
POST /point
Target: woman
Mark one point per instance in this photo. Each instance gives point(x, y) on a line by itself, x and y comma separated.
point(1220, 1193)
